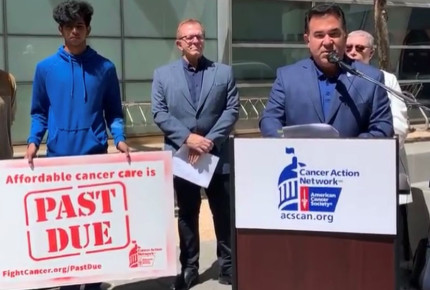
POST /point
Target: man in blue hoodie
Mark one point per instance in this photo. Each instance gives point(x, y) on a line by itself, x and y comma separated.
point(75, 95)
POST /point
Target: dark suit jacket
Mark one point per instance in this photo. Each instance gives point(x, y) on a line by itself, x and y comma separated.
point(358, 109)
point(214, 117)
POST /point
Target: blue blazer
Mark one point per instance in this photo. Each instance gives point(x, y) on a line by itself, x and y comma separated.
point(214, 116)
point(358, 109)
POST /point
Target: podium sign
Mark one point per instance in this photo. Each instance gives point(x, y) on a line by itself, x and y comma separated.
point(322, 213)
point(330, 185)
point(84, 219)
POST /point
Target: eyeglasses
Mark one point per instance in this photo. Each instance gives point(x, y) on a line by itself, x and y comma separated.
point(189, 38)
point(358, 47)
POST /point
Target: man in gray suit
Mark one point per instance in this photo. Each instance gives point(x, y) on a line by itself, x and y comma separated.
point(195, 103)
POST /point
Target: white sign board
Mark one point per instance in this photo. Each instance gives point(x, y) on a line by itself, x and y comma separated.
point(83, 219)
point(328, 185)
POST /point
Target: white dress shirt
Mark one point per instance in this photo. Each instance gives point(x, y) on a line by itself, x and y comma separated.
point(398, 109)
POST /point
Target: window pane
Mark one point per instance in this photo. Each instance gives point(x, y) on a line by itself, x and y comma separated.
point(40, 13)
point(160, 18)
point(142, 56)
point(261, 63)
point(106, 19)
point(25, 52)
point(21, 125)
point(138, 65)
point(406, 25)
point(138, 92)
point(409, 26)
point(409, 63)
point(109, 48)
point(358, 17)
point(268, 21)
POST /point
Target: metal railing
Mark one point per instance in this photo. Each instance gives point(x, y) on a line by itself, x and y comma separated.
point(138, 114)
point(412, 89)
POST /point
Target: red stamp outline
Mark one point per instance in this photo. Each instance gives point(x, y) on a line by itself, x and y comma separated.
point(127, 223)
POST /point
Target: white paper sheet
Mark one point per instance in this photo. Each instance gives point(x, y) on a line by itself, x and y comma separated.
point(200, 173)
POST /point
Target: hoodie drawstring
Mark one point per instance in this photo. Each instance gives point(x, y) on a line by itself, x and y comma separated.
point(73, 77)
point(72, 90)
point(83, 82)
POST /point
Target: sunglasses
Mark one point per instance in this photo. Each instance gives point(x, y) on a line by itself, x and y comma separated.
point(358, 47)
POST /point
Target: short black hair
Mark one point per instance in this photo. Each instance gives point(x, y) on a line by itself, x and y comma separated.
point(323, 9)
point(70, 11)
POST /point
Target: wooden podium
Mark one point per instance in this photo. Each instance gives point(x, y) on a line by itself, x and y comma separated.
point(313, 214)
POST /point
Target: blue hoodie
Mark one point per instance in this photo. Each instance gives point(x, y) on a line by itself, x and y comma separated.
point(75, 97)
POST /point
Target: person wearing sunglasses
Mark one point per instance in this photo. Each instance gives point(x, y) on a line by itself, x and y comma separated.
point(359, 46)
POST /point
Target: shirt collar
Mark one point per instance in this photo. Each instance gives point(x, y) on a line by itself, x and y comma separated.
point(201, 64)
point(321, 76)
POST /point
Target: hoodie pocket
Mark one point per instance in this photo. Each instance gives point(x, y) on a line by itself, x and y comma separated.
point(75, 142)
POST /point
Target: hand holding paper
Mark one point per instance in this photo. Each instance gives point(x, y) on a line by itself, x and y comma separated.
point(193, 156)
point(200, 172)
point(199, 143)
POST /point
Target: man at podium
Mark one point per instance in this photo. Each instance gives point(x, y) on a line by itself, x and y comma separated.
point(315, 90)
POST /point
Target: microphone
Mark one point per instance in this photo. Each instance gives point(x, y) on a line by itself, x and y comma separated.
point(334, 58)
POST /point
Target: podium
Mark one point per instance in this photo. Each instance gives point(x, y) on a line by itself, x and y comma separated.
point(314, 214)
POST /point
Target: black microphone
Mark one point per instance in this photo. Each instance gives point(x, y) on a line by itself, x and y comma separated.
point(334, 58)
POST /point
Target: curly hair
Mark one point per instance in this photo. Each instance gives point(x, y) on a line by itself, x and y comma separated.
point(71, 10)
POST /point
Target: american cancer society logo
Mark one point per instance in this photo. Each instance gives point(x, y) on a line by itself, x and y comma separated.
point(308, 190)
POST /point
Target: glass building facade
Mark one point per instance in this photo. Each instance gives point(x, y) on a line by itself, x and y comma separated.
point(269, 34)
point(254, 36)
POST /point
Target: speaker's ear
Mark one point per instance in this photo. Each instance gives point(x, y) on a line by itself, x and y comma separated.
point(306, 38)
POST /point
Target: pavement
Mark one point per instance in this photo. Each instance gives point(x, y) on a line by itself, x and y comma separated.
point(208, 264)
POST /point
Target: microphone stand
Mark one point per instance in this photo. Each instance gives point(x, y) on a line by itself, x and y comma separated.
point(409, 99)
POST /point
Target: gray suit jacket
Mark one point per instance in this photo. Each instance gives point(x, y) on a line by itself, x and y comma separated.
point(214, 116)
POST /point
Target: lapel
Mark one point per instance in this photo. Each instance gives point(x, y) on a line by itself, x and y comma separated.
point(310, 73)
point(207, 83)
point(341, 92)
point(179, 78)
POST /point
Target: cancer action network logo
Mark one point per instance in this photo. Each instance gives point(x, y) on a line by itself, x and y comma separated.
point(309, 194)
